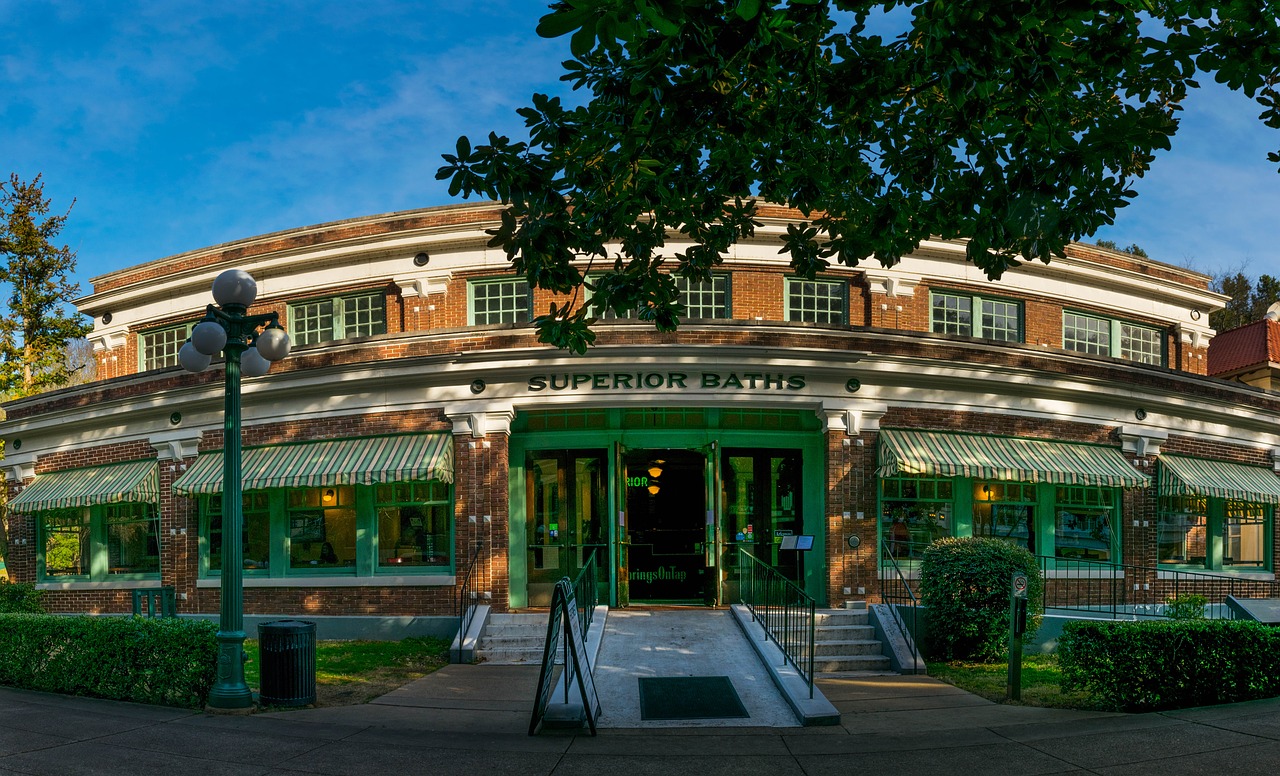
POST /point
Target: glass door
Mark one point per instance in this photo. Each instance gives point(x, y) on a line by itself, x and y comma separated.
point(666, 514)
point(567, 504)
point(760, 507)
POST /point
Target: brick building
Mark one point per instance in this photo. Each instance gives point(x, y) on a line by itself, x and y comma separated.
point(419, 430)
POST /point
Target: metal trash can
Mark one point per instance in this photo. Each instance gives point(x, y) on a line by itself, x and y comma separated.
point(287, 651)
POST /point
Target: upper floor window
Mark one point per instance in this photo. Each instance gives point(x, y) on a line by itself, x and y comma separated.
point(1109, 337)
point(499, 301)
point(159, 348)
point(342, 317)
point(705, 298)
point(975, 316)
point(817, 301)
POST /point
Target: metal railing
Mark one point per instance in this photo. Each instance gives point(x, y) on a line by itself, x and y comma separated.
point(466, 611)
point(896, 592)
point(586, 593)
point(784, 610)
point(1131, 591)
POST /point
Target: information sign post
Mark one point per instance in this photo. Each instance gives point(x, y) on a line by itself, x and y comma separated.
point(1017, 627)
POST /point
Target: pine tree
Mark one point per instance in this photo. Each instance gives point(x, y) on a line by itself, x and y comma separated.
point(36, 326)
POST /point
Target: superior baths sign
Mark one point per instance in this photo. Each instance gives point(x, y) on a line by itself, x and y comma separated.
point(666, 381)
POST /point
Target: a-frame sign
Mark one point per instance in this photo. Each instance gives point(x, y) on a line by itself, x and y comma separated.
point(564, 620)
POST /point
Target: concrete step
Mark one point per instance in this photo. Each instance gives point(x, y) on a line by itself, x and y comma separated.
point(825, 632)
point(823, 649)
point(516, 657)
point(841, 617)
point(828, 664)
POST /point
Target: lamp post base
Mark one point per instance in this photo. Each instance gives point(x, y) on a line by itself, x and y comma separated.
point(229, 691)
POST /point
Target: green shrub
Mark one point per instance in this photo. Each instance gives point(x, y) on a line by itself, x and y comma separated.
point(19, 597)
point(1154, 665)
point(165, 661)
point(1185, 607)
point(965, 583)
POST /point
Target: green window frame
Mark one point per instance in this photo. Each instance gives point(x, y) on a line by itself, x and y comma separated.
point(1208, 533)
point(499, 300)
point(101, 543)
point(1100, 336)
point(1068, 523)
point(817, 301)
point(705, 298)
point(158, 348)
point(996, 319)
point(327, 319)
point(336, 530)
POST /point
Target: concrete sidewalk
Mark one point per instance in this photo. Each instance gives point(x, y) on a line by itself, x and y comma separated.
point(469, 720)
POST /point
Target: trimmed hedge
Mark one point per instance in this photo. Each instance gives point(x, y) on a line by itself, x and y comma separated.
point(965, 584)
point(1152, 665)
point(20, 597)
point(170, 662)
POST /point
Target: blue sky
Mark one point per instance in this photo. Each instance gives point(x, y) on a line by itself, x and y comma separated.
point(181, 125)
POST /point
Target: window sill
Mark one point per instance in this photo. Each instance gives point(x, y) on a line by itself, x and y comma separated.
point(435, 580)
point(1260, 575)
point(115, 584)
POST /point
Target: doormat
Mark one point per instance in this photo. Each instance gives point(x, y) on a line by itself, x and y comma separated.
point(689, 697)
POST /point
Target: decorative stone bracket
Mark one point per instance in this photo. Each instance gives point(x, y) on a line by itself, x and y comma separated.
point(176, 445)
point(422, 285)
point(480, 420)
point(852, 419)
point(891, 283)
point(1142, 441)
point(19, 468)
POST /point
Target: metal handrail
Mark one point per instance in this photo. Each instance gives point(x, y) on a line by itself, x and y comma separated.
point(465, 594)
point(586, 593)
point(1131, 590)
point(784, 610)
point(893, 597)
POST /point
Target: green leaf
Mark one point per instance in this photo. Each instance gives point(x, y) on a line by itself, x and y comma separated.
point(747, 9)
point(553, 25)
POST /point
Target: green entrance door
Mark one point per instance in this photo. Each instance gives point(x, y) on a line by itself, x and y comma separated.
point(567, 501)
point(666, 527)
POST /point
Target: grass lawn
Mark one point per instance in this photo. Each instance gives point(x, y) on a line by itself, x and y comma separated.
point(350, 672)
point(1041, 681)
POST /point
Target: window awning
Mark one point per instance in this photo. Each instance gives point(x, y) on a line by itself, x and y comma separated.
point(122, 482)
point(1199, 477)
point(364, 461)
point(939, 454)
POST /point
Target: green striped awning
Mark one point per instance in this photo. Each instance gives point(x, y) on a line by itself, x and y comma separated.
point(940, 454)
point(365, 461)
point(133, 481)
point(1181, 476)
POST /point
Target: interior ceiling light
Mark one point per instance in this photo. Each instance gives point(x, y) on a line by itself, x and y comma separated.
point(655, 472)
point(653, 490)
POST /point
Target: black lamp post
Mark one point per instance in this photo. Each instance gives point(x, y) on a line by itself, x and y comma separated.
point(250, 350)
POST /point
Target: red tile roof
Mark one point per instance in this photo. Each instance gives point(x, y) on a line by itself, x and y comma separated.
point(1254, 344)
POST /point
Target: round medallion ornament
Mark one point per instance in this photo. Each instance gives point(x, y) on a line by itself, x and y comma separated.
point(477, 386)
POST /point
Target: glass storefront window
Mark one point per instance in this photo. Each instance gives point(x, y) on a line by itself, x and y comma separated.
point(133, 538)
point(1083, 520)
point(1006, 511)
point(413, 525)
point(914, 512)
point(322, 528)
point(256, 533)
point(1182, 533)
point(1244, 535)
point(566, 499)
point(66, 542)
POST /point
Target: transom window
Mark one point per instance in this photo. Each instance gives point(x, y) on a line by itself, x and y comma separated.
point(817, 301)
point(996, 319)
point(705, 298)
point(159, 348)
point(1099, 336)
point(499, 301)
point(336, 318)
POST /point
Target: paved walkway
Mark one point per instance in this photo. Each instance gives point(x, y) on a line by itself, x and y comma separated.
point(469, 720)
